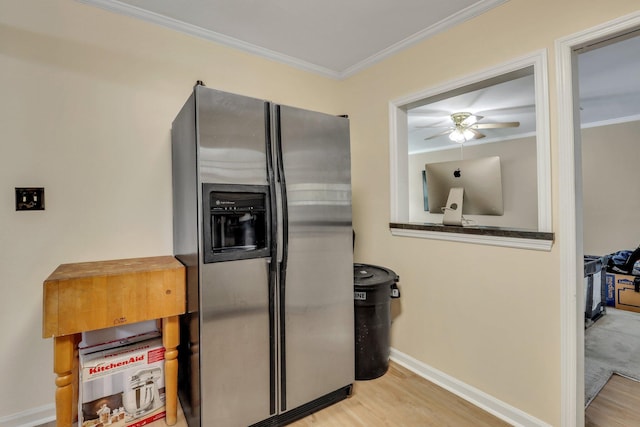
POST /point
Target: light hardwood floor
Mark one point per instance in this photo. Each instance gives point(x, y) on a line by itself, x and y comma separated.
point(398, 398)
point(617, 404)
point(402, 398)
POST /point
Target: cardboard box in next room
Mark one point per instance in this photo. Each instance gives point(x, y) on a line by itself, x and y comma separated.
point(623, 291)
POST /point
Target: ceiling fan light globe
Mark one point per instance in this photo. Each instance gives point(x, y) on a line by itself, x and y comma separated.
point(457, 136)
point(467, 135)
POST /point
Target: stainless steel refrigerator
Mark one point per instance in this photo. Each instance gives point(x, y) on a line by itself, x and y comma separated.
point(262, 221)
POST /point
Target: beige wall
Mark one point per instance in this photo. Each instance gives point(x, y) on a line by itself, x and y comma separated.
point(487, 316)
point(87, 101)
point(519, 185)
point(611, 194)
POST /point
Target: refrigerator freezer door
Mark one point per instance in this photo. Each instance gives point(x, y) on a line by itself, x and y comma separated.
point(236, 351)
point(318, 351)
point(235, 344)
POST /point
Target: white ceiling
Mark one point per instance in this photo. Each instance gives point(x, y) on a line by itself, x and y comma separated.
point(338, 38)
point(609, 79)
point(509, 101)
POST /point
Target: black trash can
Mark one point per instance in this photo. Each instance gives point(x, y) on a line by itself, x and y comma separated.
point(373, 289)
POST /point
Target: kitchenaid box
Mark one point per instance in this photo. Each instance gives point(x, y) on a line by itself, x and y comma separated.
point(122, 386)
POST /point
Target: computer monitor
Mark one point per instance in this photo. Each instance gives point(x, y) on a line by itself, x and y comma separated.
point(472, 187)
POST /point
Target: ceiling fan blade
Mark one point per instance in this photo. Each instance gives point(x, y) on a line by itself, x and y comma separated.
point(476, 134)
point(495, 125)
point(428, 112)
point(471, 120)
point(521, 109)
point(432, 126)
point(445, 132)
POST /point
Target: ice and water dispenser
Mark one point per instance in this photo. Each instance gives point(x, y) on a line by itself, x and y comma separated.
point(236, 222)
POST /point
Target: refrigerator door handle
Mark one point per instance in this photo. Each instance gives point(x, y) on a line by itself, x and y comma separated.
point(282, 251)
point(281, 193)
point(279, 222)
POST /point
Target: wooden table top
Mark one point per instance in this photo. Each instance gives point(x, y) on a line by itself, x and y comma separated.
point(93, 295)
point(113, 267)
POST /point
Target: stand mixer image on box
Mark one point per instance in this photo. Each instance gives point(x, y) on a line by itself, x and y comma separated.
point(141, 394)
point(123, 386)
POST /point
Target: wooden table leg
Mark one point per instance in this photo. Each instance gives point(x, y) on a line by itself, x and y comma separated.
point(75, 378)
point(63, 361)
point(170, 340)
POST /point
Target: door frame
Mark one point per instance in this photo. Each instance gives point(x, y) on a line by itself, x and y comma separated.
point(570, 214)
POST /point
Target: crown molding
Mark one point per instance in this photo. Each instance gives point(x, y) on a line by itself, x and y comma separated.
point(447, 23)
point(193, 30)
point(176, 25)
point(614, 121)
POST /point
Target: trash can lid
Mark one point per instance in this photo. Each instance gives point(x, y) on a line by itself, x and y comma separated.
point(373, 275)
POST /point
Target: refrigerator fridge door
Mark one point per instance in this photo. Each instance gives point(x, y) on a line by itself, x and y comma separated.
point(316, 289)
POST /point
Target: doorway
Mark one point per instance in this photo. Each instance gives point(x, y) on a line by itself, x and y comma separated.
point(609, 122)
point(571, 212)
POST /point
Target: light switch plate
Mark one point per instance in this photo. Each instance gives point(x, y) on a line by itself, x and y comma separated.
point(29, 198)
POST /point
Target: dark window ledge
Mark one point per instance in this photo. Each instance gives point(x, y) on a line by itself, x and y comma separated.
point(495, 236)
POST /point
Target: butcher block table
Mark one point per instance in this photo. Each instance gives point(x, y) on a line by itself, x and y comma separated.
point(95, 295)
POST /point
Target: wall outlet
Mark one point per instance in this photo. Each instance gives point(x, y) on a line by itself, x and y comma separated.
point(30, 199)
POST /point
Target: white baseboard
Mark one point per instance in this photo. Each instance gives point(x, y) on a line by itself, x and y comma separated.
point(31, 417)
point(471, 394)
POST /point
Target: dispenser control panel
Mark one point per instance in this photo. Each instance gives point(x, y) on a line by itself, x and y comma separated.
point(236, 222)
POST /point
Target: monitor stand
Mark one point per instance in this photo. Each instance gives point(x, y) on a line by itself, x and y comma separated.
point(453, 210)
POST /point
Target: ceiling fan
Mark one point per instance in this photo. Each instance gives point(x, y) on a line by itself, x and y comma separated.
point(465, 127)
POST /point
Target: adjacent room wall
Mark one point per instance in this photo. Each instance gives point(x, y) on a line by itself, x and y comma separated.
point(611, 187)
point(519, 185)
